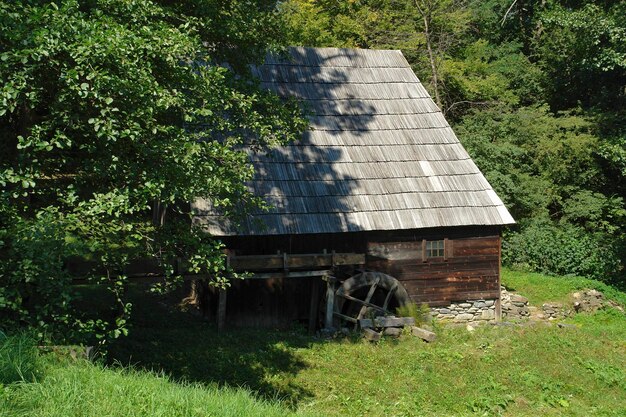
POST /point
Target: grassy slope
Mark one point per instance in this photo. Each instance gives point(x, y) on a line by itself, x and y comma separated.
point(79, 388)
point(539, 288)
point(514, 371)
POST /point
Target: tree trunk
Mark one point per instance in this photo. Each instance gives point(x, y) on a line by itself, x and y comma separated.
point(426, 11)
point(158, 213)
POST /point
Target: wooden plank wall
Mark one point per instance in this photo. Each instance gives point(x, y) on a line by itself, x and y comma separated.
point(469, 271)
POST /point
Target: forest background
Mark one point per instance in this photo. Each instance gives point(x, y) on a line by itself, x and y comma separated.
point(536, 92)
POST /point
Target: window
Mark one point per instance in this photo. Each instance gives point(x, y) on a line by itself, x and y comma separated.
point(435, 249)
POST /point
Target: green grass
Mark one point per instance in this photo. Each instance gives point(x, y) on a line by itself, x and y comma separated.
point(18, 359)
point(532, 370)
point(539, 288)
point(79, 388)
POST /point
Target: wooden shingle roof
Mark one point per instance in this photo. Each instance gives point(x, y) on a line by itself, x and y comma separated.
point(378, 155)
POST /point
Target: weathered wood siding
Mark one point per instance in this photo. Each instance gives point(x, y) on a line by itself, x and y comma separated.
point(469, 270)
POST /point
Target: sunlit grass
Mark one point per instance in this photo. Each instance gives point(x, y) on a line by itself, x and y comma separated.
point(540, 288)
point(80, 388)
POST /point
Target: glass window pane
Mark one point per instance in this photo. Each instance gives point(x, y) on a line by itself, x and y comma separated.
point(435, 248)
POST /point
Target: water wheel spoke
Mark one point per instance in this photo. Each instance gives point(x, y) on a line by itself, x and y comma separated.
point(346, 318)
point(389, 295)
point(363, 303)
point(370, 294)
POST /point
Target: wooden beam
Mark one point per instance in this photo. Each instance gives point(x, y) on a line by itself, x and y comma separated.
point(295, 261)
point(315, 290)
point(499, 299)
point(221, 310)
point(293, 274)
point(152, 278)
point(330, 303)
point(283, 264)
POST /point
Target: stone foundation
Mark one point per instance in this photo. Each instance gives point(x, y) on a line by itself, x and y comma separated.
point(589, 300)
point(514, 306)
point(468, 311)
point(583, 301)
point(553, 311)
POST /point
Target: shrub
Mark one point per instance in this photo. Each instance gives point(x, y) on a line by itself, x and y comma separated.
point(561, 250)
point(420, 312)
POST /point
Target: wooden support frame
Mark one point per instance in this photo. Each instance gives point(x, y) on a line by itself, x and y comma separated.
point(263, 266)
point(287, 262)
point(281, 265)
point(499, 299)
point(293, 274)
point(221, 310)
point(152, 278)
point(330, 302)
point(313, 307)
point(346, 318)
point(390, 294)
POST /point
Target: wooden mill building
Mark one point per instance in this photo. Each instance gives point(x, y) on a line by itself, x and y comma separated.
point(379, 195)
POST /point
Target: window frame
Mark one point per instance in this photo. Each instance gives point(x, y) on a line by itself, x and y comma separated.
point(435, 253)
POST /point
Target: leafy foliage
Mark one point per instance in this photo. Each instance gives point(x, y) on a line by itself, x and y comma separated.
point(420, 312)
point(560, 250)
point(112, 111)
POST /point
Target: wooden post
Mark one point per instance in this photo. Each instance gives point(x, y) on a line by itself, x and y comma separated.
point(330, 302)
point(221, 310)
point(315, 291)
point(499, 299)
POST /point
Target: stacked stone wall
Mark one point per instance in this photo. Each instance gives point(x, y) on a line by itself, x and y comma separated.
point(514, 306)
point(468, 311)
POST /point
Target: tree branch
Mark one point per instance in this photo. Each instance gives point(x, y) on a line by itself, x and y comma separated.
point(507, 12)
point(478, 103)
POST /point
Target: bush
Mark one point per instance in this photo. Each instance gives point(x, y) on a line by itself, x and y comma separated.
point(19, 361)
point(420, 312)
point(561, 250)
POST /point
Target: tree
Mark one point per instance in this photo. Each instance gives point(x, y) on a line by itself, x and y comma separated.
point(112, 107)
point(583, 51)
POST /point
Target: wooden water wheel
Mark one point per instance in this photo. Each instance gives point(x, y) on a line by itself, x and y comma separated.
point(367, 295)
